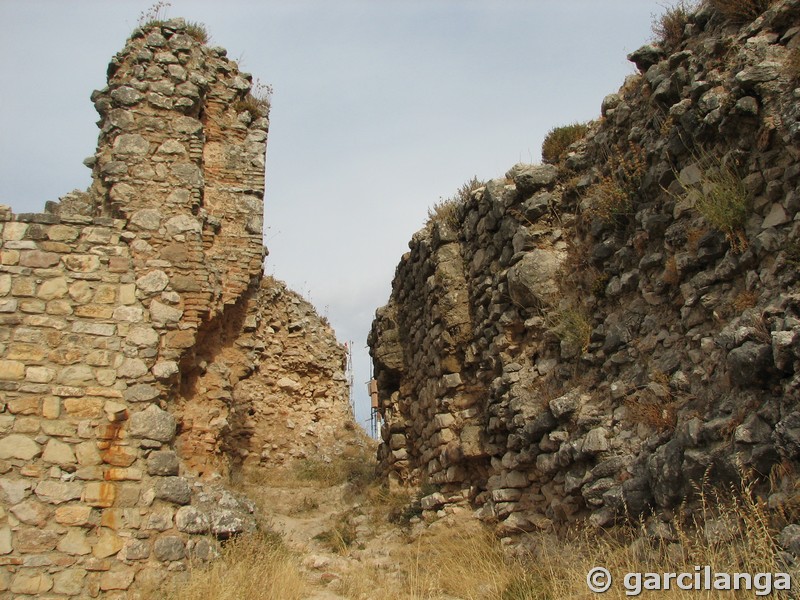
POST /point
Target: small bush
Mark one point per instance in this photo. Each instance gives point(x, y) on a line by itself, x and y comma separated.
point(197, 31)
point(614, 196)
point(669, 27)
point(559, 139)
point(741, 11)
point(257, 101)
point(446, 211)
point(572, 326)
point(724, 202)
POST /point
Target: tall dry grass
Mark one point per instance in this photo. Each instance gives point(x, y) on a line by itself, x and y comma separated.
point(729, 532)
point(256, 567)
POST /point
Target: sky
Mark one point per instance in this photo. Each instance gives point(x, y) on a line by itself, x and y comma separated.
point(381, 108)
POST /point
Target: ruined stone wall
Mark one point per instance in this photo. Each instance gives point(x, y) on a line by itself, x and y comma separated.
point(580, 340)
point(132, 319)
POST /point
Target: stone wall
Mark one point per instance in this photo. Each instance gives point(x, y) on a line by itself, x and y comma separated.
point(142, 356)
point(582, 340)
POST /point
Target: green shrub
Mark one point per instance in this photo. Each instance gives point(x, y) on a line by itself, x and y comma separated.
point(668, 27)
point(559, 139)
point(572, 326)
point(741, 11)
point(723, 201)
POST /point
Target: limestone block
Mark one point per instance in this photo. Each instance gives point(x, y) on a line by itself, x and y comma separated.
point(87, 454)
point(15, 489)
point(37, 259)
point(28, 405)
point(143, 336)
point(147, 218)
point(69, 582)
point(141, 392)
point(135, 550)
point(191, 520)
point(40, 375)
point(130, 314)
point(36, 540)
point(173, 489)
point(153, 282)
point(75, 543)
point(152, 423)
point(126, 95)
point(18, 446)
point(169, 548)
point(5, 540)
point(32, 583)
point(161, 313)
point(182, 224)
point(99, 494)
point(533, 281)
point(163, 463)
point(63, 233)
point(108, 543)
point(131, 368)
point(31, 512)
point(52, 289)
point(11, 370)
point(74, 515)
point(86, 407)
point(82, 263)
point(57, 452)
point(76, 375)
point(57, 492)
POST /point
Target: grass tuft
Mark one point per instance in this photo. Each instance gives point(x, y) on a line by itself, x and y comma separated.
point(257, 101)
point(741, 11)
point(559, 139)
point(446, 211)
point(668, 27)
point(256, 567)
point(723, 201)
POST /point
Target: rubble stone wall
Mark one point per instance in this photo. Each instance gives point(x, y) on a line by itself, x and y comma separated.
point(583, 340)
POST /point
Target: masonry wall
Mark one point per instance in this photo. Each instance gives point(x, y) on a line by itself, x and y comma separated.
point(132, 318)
point(579, 340)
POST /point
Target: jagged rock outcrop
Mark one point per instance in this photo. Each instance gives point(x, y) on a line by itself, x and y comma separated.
point(143, 358)
point(593, 338)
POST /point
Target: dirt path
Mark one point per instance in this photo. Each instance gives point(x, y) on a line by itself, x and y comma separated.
point(340, 544)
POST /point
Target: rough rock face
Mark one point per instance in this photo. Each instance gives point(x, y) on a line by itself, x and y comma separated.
point(593, 338)
point(140, 350)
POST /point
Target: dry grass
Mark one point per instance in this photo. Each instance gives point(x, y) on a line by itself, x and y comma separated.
point(256, 567)
point(257, 101)
point(731, 532)
point(446, 210)
point(614, 196)
point(741, 11)
point(669, 27)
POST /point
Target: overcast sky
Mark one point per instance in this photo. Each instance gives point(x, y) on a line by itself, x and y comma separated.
point(380, 109)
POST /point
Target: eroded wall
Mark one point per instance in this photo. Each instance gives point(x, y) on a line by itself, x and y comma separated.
point(140, 348)
point(580, 340)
